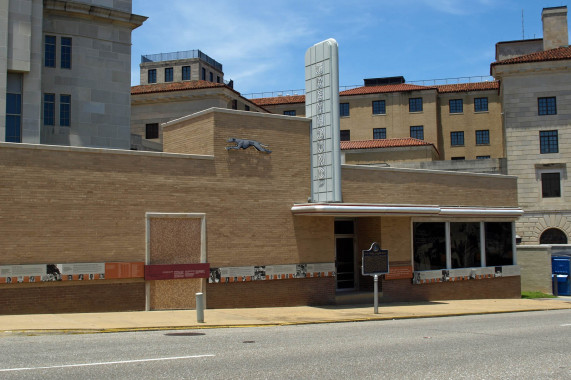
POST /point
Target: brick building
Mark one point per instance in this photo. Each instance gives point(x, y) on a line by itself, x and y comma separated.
point(113, 214)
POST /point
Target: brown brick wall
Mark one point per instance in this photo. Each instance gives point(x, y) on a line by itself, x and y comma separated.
point(405, 291)
point(55, 299)
point(293, 292)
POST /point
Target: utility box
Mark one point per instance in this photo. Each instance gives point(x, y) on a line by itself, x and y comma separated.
point(561, 271)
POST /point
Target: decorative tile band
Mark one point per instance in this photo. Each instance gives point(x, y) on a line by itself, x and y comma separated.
point(12, 274)
point(270, 272)
point(464, 274)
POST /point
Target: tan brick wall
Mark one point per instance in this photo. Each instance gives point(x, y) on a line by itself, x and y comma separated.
point(535, 264)
point(402, 186)
point(397, 238)
point(469, 122)
point(81, 205)
point(198, 138)
point(368, 230)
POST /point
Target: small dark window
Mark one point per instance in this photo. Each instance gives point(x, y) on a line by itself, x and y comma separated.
point(65, 110)
point(50, 51)
point(458, 158)
point(13, 117)
point(553, 236)
point(482, 157)
point(550, 185)
point(217, 79)
point(152, 76)
point(480, 104)
point(344, 109)
point(211, 77)
point(379, 133)
point(456, 106)
point(414, 104)
point(203, 77)
point(345, 135)
point(547, 106)
point(49, 109)
point(289, 113)
point(379, 107)
point(499, 243)
point(457, 138)
point(168, 74)
point(152, 131)
point(483, 137)
point(344, 227)
point(234, 104)
point(417, 132)
point(246, 107)
point(65, 53)
point(186, 73)
point(548, 142)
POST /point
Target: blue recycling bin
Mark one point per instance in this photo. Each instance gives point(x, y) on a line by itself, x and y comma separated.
point(561, 275)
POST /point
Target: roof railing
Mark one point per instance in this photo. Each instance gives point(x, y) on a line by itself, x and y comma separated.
point(188, 54)
point(423, 82)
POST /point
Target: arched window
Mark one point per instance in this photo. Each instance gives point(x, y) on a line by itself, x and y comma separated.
point(553, 236)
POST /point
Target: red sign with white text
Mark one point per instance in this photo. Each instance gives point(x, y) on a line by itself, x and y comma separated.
point(176, 271)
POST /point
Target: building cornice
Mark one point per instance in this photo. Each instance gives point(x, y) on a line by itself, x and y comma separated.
point(501, 71)
point(83, 10)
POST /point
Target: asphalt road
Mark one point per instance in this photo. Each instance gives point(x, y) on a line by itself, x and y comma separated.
point(534, 345)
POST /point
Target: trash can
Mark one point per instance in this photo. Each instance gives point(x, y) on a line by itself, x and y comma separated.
point(561, 271)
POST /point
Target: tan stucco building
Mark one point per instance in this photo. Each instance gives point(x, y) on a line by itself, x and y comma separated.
point(155, 104)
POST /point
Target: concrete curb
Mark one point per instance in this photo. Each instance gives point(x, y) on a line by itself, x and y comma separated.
point(35, 332)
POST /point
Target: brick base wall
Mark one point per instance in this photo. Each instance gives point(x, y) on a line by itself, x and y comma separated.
point(73, 299)
point(405, 291)
point(293, 292)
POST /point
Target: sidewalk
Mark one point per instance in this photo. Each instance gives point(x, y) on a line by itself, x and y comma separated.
point(186, 319)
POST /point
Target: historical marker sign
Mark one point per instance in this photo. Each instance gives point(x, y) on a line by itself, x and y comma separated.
point(375, 261)
point(322, 106)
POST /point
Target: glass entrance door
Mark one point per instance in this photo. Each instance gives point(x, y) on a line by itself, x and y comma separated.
point(345, 263)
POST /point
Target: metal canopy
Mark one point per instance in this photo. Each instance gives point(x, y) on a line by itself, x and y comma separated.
point(356, 210)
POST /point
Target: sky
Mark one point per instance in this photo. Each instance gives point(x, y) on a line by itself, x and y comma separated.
point(262, 44)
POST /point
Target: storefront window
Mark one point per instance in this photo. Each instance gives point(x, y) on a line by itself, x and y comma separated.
point(499, 244)
point(465, 245)
point(429, 246)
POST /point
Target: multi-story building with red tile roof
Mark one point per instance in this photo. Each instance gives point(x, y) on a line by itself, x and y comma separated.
point(535, 95)
point(461, 121)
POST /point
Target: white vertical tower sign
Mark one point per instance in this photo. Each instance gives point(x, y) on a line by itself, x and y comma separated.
point(322, 106)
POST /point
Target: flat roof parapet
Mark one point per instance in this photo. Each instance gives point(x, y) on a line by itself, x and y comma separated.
point(188, 54)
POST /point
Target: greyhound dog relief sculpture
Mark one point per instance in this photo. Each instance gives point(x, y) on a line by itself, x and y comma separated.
point(245, 144)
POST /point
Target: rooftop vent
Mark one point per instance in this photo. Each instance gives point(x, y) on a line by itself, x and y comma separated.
point(384, 81)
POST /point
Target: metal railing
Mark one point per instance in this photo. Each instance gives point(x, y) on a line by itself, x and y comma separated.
point(188, 54)
point(422, 82)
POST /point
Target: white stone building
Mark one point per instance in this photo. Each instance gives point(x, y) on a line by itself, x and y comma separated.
point(536, 100)
point(65, 71)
